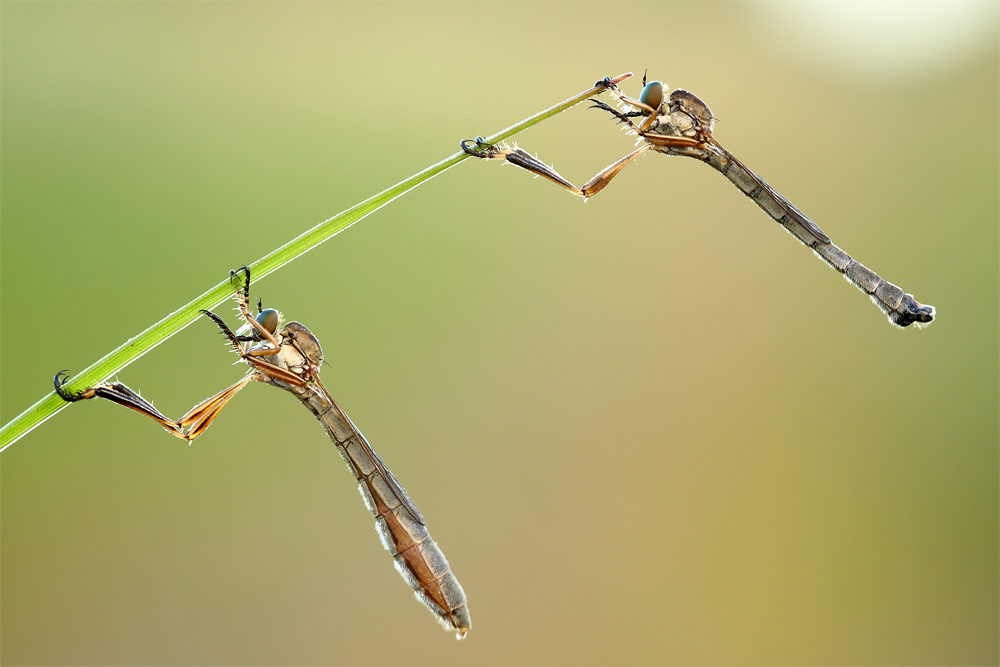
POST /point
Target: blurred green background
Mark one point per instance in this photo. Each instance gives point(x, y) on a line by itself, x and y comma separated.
point(651, 428)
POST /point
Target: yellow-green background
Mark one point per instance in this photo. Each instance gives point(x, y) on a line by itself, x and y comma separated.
point(651, 428)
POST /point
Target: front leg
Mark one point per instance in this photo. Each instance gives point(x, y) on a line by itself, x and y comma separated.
point(622, 117)
point(265, 324)
point(251, 357)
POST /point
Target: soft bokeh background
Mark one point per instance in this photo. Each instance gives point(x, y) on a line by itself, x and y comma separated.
point(651, 428)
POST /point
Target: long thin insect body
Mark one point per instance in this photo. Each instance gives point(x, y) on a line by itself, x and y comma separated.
point(682, 124)
point(289, 358)
point(901, 309)
point(400, 525)
point(403, 531)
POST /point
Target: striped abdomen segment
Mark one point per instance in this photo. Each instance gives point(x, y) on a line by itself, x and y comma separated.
point(417, 557)
point(900, 307)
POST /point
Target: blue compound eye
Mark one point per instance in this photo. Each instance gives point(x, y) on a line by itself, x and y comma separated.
point(652, 94)
point(268, 318)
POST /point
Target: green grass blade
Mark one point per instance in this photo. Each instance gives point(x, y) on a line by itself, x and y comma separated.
point(139, 345)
